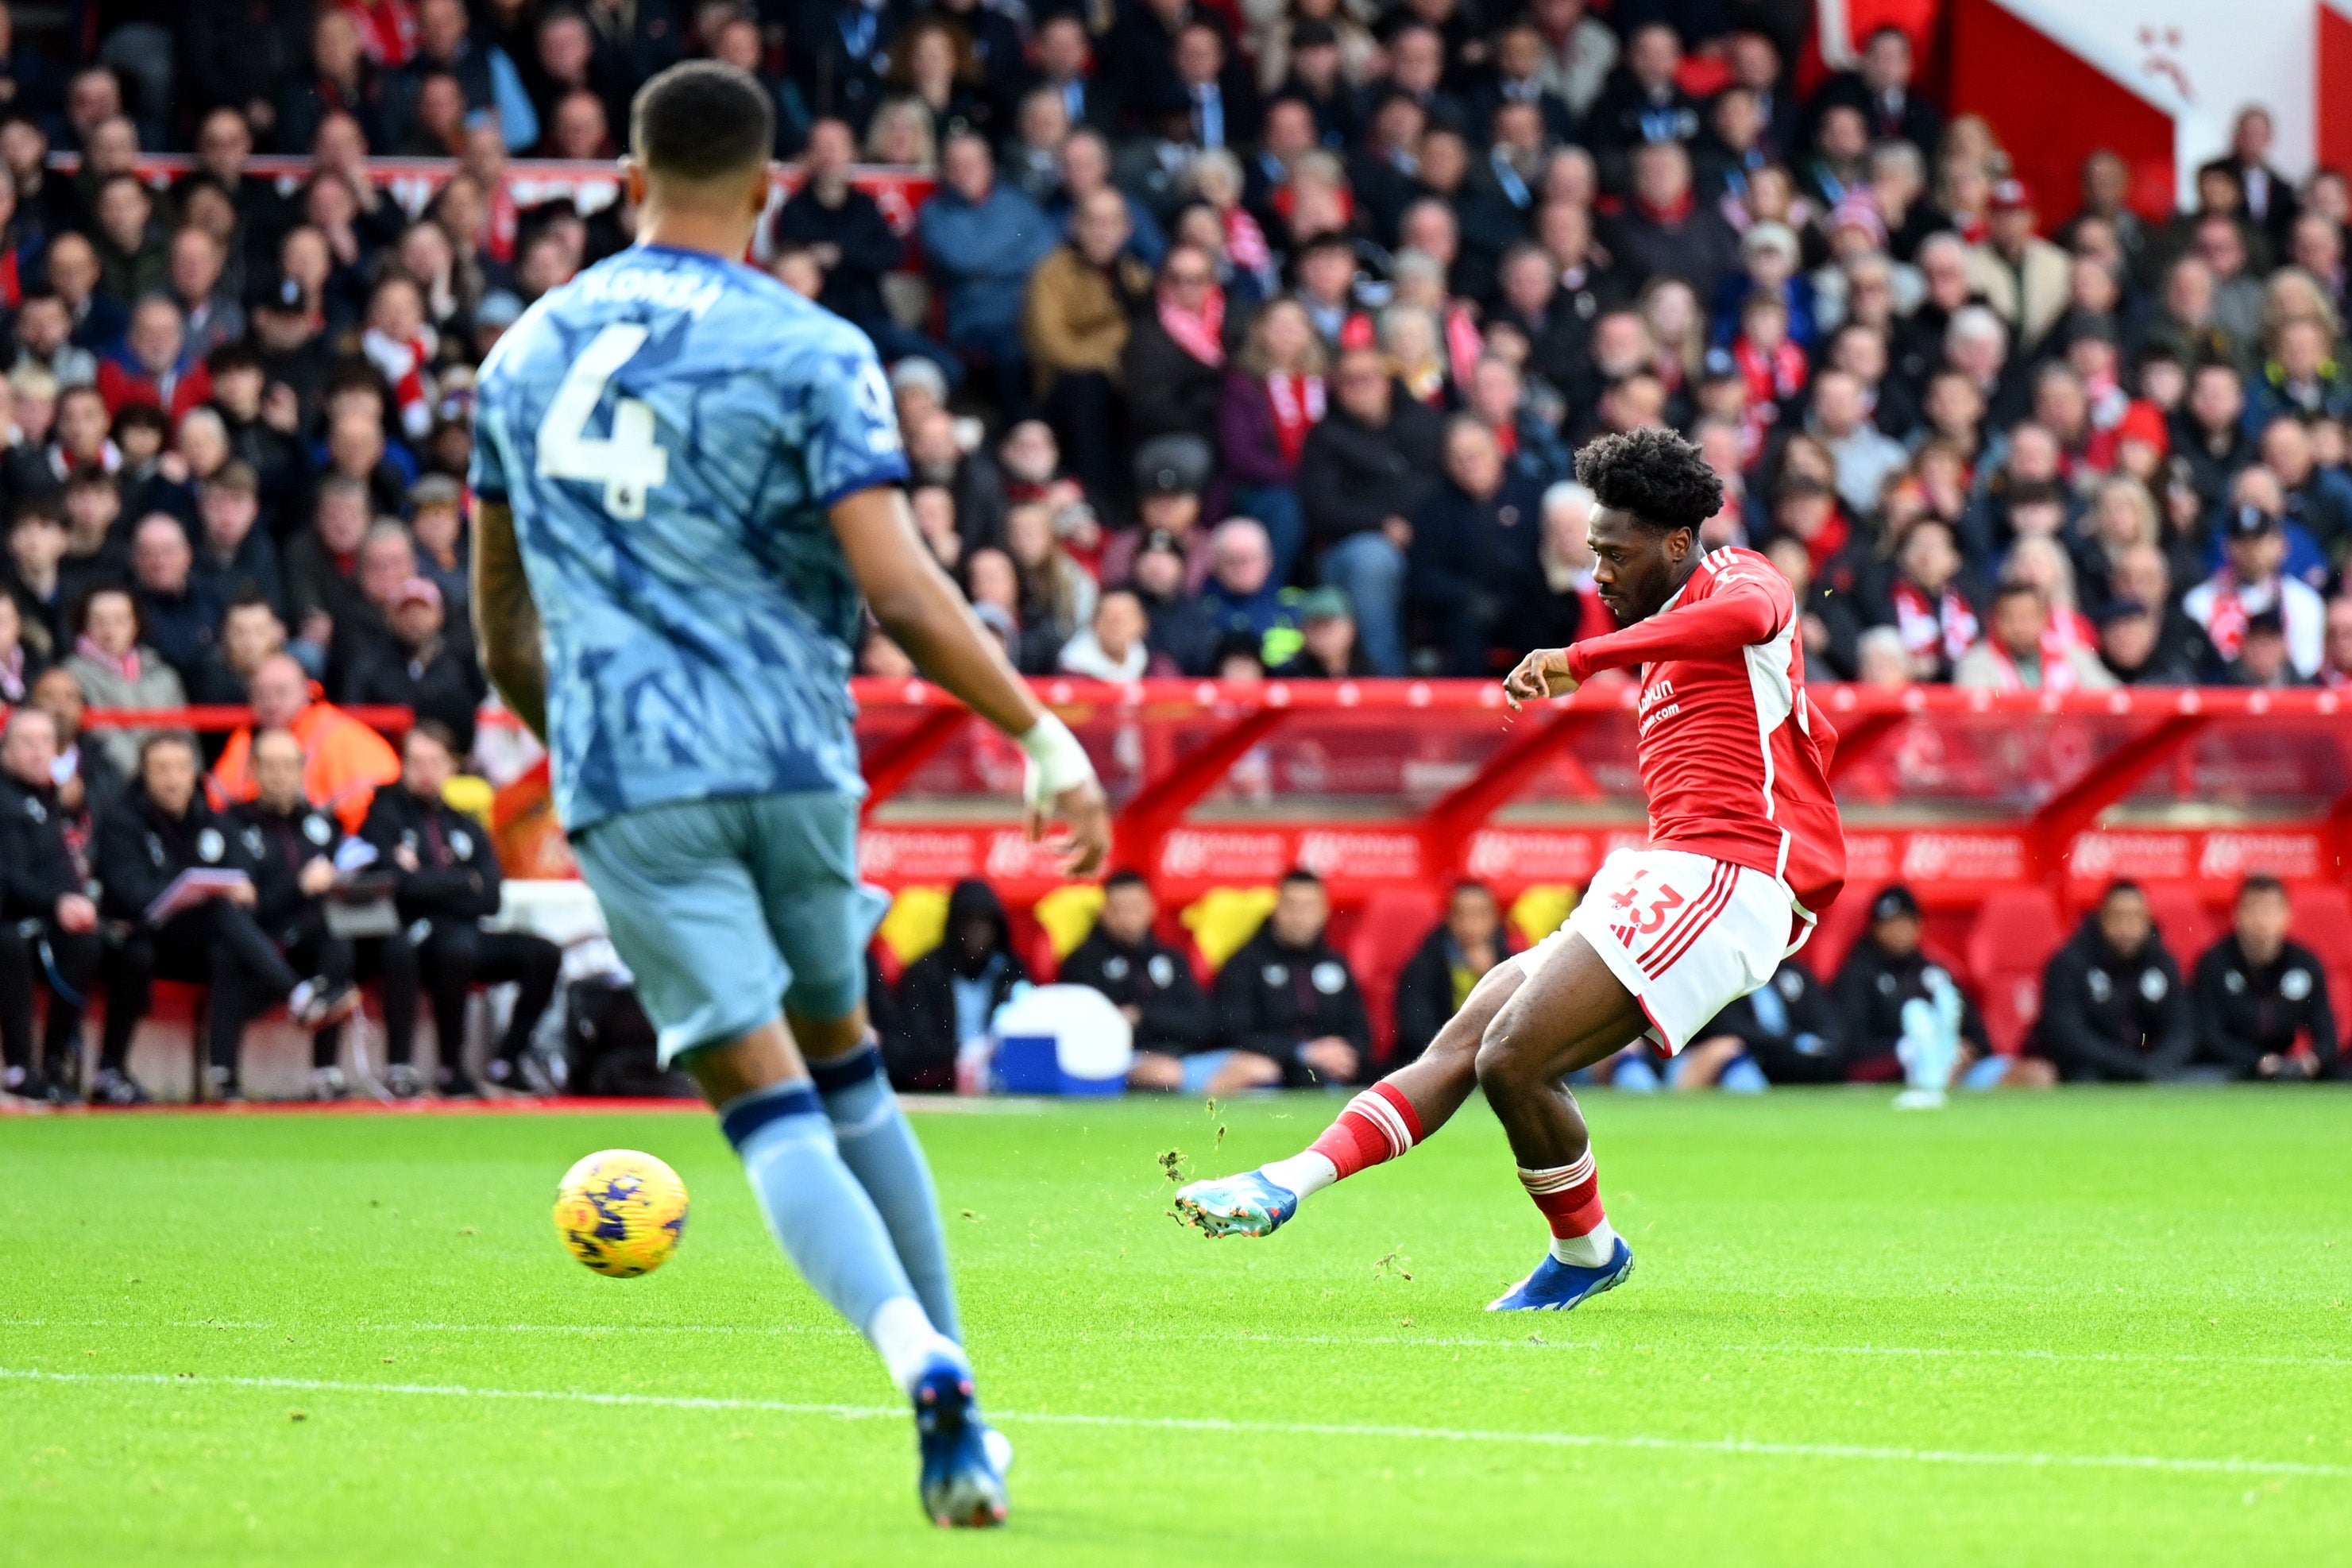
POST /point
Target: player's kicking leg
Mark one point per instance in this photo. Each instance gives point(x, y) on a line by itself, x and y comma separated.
point(1379, 1124)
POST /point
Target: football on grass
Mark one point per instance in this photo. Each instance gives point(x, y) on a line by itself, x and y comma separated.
point(621, 1212)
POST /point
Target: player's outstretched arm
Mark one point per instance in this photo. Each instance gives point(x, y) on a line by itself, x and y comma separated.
point(920, 608)
point(1543, 673)
point(506, 619)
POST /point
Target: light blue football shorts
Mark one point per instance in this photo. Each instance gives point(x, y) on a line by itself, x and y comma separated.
point(729, 910)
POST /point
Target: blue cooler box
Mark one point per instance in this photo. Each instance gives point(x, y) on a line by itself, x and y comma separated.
point(1062, 1039)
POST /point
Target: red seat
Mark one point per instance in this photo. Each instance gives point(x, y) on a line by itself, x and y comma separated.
point(2015, 932)
point(1378, 944)
point(2184, 922)
point(1841, 926)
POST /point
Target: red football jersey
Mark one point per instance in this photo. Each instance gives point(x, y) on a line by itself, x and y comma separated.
point(1735, 756)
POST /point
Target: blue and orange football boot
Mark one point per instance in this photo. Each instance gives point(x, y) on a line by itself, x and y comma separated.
point(1246, 1204)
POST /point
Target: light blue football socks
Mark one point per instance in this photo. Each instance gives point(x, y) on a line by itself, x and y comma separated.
point(827, 1224)
point(881, 1152)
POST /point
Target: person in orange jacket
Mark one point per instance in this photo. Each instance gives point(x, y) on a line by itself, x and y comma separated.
point(344, 760)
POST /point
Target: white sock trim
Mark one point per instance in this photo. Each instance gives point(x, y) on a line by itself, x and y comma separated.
point(1590, 1250)
point(904, 1335)
point(1557, 1178)
point(1305, 1172)
point(1376, 1110)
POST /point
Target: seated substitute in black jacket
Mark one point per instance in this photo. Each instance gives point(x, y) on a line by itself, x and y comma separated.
point(1438, 978)
point(448, 882)
point(161, 829)
point(48, 927)
point(1789, 1026)
point(948, 995)
point(1883, 971)
point(1152, 985)
point(2113, 1006)
point(293, 844)
point(1286, 997)
point(2261, 1000)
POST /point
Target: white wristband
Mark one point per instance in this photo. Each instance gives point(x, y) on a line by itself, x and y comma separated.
point(1057, 761)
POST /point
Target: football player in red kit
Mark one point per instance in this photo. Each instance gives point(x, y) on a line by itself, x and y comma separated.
point(1745, 853)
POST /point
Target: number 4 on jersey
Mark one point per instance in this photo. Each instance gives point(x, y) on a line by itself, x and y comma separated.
point(629, 462)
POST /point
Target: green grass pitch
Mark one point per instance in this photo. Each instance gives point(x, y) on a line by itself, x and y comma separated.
point(2090, 1327)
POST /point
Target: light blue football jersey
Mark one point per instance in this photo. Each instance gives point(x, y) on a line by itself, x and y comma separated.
point(670, 430)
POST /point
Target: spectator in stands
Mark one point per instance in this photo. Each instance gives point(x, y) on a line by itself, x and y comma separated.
point(1113, 647)
point(1152, 985)
point(1173, 364)
point(1180, 629)
point(981, 240)
point(447, 882)
point(851, 242)
point(1075, 323)
point(35, 579)
point(115, 667)
point(2261, 999)
point(947, 999)
point(1274, 395)
point(250, 632)
point(487, 74)
point(19, 666)
point(49, 926)
point(420, 668)
point(1473, 550)
point(2252, 581)
point(2336, 665)
point(178, 614)
point(1561, 604)
point(1328, 648)
point(2113, 1006)
point(321, 560)
point(1287, 996)
point(1663, 232)
point(232, 556)
point(2018, 652)
point(1451, 961)
point(44, 338)
point(345, 763)
point(1362, 471)
point(207, 935)
point(154, 365)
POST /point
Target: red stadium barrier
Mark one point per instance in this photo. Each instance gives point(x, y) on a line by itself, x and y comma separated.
point(1400, 785)
point(221, 719)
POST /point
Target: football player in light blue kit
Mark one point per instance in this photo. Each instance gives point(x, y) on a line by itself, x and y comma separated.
point(687, 493)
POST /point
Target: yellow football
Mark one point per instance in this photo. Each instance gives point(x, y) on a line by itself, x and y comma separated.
point(621, 1212)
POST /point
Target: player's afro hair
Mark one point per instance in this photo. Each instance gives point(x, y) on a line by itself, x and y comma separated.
point(701, 120)
point(1653, 476)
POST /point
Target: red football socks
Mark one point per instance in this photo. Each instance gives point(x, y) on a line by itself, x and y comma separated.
point(1377, 1124)
point(1569, 1195)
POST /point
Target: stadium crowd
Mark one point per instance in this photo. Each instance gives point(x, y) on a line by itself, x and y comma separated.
point(1236, 339)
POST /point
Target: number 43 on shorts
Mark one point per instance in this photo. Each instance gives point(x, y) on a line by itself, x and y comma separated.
point(1642, 906)
point(627, 463)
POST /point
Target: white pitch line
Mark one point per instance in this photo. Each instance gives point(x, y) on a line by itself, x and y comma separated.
point(1739, 1445)
point(1434, 1341)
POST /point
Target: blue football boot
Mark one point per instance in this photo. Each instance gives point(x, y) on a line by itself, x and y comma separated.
point(962, 1483)
point(1556, 1287)
point(1246, 1204)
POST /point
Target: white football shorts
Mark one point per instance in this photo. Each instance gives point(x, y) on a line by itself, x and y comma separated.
point(1687, 934)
